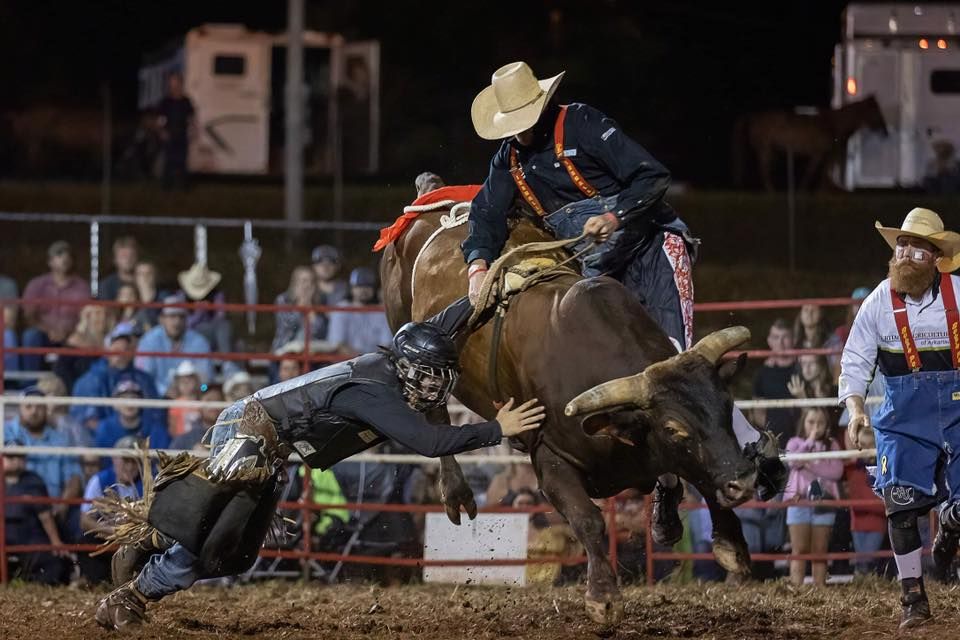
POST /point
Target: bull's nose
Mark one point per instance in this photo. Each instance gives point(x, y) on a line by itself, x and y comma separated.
point(741, 489)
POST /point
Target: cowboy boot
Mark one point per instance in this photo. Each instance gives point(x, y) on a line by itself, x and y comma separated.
point(916, 607)
point(130, 558)
point(122, 608)
point(667, 528)
point(945, 543)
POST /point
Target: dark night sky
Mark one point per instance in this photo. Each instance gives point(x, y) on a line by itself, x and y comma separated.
point(676, 73)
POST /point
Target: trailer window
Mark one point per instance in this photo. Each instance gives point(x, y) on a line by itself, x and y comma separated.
point(224, 65)
point(945, 81)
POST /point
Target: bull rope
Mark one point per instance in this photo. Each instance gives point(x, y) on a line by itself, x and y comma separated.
point(458, 215)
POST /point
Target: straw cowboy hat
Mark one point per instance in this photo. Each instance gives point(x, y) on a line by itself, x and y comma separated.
point(513, 102)
point(198, 281)
point(926, 225)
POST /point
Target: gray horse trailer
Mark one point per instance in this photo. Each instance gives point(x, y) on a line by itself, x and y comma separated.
point(908, 56)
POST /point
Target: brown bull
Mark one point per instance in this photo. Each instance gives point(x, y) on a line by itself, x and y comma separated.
point(563, 341)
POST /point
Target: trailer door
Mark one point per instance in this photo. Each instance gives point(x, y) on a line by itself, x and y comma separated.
point(938, 105)
point(229, 81)
point(873, 159)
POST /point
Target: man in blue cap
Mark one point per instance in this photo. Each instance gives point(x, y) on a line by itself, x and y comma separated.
point(131, 420)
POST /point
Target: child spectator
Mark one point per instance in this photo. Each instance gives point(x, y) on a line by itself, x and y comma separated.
point(208, 417)
point(48, 325)
point(31, 523)
point(145, 277)
point(813, 380)
point(302, 292)
point(131, 420)
point(238, 386)
point(141, 318)
point(122, 477)
point(772, 379)
point(289, 368)
point(810, 327)
point(810, 527)
point(186, 386)
point(95, 324)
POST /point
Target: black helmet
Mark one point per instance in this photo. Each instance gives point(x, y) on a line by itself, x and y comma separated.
point(427, 362)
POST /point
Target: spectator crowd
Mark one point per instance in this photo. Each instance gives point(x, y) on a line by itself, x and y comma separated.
point(206, 362)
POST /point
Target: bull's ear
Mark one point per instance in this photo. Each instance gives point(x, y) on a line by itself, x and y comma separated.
point(728, 369)
point(603, 424)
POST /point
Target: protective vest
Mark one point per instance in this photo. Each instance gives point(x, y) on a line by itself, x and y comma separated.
point(301, 409)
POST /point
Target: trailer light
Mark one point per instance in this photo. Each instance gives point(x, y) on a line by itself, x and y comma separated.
point(924, 44)
point(852, 86)
point(941, 44)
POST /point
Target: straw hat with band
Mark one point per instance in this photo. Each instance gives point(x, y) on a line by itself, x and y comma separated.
point(198, 281)
point(927, 225)
point(513, 102)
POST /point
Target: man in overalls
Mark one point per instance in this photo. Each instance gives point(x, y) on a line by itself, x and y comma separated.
point(576, 171)
point(909, 327)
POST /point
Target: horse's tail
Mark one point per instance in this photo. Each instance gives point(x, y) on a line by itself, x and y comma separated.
point(738, 150)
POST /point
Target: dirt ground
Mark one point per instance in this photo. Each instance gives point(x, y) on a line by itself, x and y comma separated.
point(289, 610)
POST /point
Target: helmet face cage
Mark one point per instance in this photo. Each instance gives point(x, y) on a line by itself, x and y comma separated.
point(426, 387)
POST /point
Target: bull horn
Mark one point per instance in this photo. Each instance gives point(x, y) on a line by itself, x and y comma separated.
point(718, 343)
point(622, 391)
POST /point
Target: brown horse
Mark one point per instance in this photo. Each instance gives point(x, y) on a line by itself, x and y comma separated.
point(817, 140)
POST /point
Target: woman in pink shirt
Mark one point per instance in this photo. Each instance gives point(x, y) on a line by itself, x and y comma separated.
point(810, 527)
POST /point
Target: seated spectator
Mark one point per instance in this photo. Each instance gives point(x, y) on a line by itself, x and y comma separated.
point(288, 369)
point(58, 414)
point(510, 481)
point(139, 317)
point(810, 327)
point(145, 277)
point(130, 420)
point(31, 523)
point(813, 380)
point(125, 256)
point(105, 373)
point(50, 325)
point(838, 338)
point(186, 386)
point(238, 386)
point(122, 478)
point(95, 324)
point(208, 417)
point(771, 382)
point(173, 336)
point(289, 324)
point(61, 474)
point(359, 331)
point(199, 284)
point(325, 489)
point(326, 266)
point(10, 291)
point(810, 527)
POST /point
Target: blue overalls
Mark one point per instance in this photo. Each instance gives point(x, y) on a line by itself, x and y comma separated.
point(917, 427)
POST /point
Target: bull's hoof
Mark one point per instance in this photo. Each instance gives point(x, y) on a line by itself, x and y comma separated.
point(732, 559)
point(607, 612)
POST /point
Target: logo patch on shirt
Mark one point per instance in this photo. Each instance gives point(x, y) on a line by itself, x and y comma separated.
point(609, 132)
point(955, 395)
point(569, 153)
point(304, 448)
point(367, 436)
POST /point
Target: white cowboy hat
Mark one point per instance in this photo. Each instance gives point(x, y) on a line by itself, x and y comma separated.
point(198, 281)
point(512, 103)
point(926, 225)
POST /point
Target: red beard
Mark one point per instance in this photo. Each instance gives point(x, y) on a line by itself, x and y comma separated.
point(911, 278)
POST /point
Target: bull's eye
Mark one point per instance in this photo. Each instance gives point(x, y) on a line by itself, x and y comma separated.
point(676, 429)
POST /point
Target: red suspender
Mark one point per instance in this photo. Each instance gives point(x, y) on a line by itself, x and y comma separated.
point(516, 171)
point(953, 317)
point(581, 183)
point(953, 324)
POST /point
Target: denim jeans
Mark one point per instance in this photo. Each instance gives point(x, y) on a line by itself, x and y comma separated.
point(33, 337)
point(173, 570)
point(867, 541)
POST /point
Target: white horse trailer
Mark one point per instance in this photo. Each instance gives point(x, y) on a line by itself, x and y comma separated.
point(908, 56)
point(236, 80)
